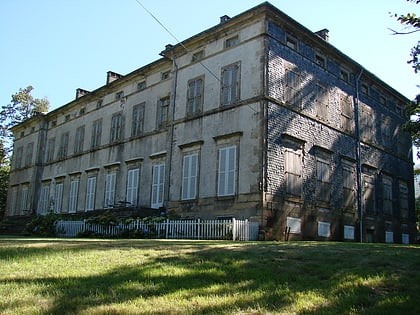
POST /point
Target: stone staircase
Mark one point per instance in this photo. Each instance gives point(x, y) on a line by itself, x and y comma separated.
point(14, 225)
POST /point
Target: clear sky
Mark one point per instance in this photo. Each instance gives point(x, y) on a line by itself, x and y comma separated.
point(58, 46)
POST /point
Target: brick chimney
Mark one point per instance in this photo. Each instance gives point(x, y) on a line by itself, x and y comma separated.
point(80, 92)
point(323, 34)
point(112, 76)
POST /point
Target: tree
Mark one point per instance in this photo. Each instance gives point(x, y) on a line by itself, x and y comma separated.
point(22, 106)
point(412, 23)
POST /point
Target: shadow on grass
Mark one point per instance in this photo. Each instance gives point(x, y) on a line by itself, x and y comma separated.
point(226, 277)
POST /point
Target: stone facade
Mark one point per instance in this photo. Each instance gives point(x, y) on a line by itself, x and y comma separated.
point(255, 118)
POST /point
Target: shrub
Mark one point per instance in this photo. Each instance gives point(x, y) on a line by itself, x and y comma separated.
point(42, 225)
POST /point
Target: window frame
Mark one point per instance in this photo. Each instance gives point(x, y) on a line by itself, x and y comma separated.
point(132, 190)
point(163, 112)
point(79, 139)
point(110, 189)
point(190, 176)
point(195, 96)
point(96, 133)
point(230, 83)
point(90, 193)
point(158, 186)
point(73, 195)
point(116, 130)
point(227, 171)
point(137, 121)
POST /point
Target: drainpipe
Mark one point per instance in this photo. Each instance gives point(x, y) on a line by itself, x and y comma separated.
point(169, 48)
point(358, 157)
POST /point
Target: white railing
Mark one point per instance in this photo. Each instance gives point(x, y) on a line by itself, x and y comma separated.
point(237, 230)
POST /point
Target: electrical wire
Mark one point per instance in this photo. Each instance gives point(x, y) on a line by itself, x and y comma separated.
point(180, 43)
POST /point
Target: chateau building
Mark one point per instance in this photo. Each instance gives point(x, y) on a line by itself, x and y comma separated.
point(257, 118)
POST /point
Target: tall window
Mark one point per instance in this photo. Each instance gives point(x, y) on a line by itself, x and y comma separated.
point(293, 170)
point(346, 108)
point(24, 198)
point(403, 196)
point(90, 193)
point(386, 130)
point(44, 199)
point(17, 159)
point(227, 171)
point(74, 190)
point(195, 96)
point(292, 89)
point(79, 139)
point(366, 122)
point(64, 145)
point(50, 149)
point(230, 84)
point(116, 128)
point(387, 194)
point(348, 185)
point(158, 185)
point(189, 176)
point(163, 112)
point(58, 197)
point(96, 133)
point(110, 190)
point(29, 153)
point(368, 194)
point(137, 120)
point(132, 186)
point(321, 102)
point(323, 185)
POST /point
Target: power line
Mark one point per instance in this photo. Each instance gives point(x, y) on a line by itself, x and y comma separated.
point(176, 39)
point(182, 45)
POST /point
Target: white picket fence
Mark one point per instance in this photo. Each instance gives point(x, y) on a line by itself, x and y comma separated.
point(237, 230)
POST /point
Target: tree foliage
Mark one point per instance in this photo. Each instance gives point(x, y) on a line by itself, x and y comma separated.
point(22, 106)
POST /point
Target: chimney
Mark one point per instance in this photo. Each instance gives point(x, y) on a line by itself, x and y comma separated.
point(80, 92)
point(224, 19)
point(323, 34)
point(112, 76)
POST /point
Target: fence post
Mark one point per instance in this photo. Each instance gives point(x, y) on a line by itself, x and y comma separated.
point(234, 229)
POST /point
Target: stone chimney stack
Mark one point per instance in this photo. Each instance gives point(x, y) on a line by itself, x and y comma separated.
point(80, 92)
point(323, 34)
point(112, 76)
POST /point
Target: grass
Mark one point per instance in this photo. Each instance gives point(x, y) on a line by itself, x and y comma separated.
point(79, 276)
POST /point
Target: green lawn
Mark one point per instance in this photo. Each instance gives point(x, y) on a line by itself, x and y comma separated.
point(84, 276)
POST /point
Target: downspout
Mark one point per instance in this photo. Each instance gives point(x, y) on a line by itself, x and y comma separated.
point(358, 157)
point(171, 135)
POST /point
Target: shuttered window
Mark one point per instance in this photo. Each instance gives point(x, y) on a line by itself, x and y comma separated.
point(90, 193)
point(74, 190)
point(230, 84)
point(110, 190)
point(189, 176)
point(227, 171)
point(58, 197)
point(132, 186)
point(195, 96)
point(293, 169)
point(158, 185)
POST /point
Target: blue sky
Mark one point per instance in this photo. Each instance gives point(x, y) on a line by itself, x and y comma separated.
point(58, 46)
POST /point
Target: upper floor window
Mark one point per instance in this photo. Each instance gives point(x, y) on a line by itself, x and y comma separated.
point(96, 133)
point(346, 110)
point(50, 149)
point(232, 41)
point(99, 103)
point(165, 75)
point(163, 112)
point(292, 91)
point(116, 127)
point(141, 86)
point(18, 157)
point(321, 101)
point(344, 75)
point(29, 154)
point(320, 60)
point(64, 145)
point(230, 84)
point(119, 95)
point(291, 42)
point(403, 199)
point(137, 120)
point(197, 56)
point(195, 96)
point(79, 139)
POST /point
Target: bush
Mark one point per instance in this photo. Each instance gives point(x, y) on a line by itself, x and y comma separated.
point(42, 225)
